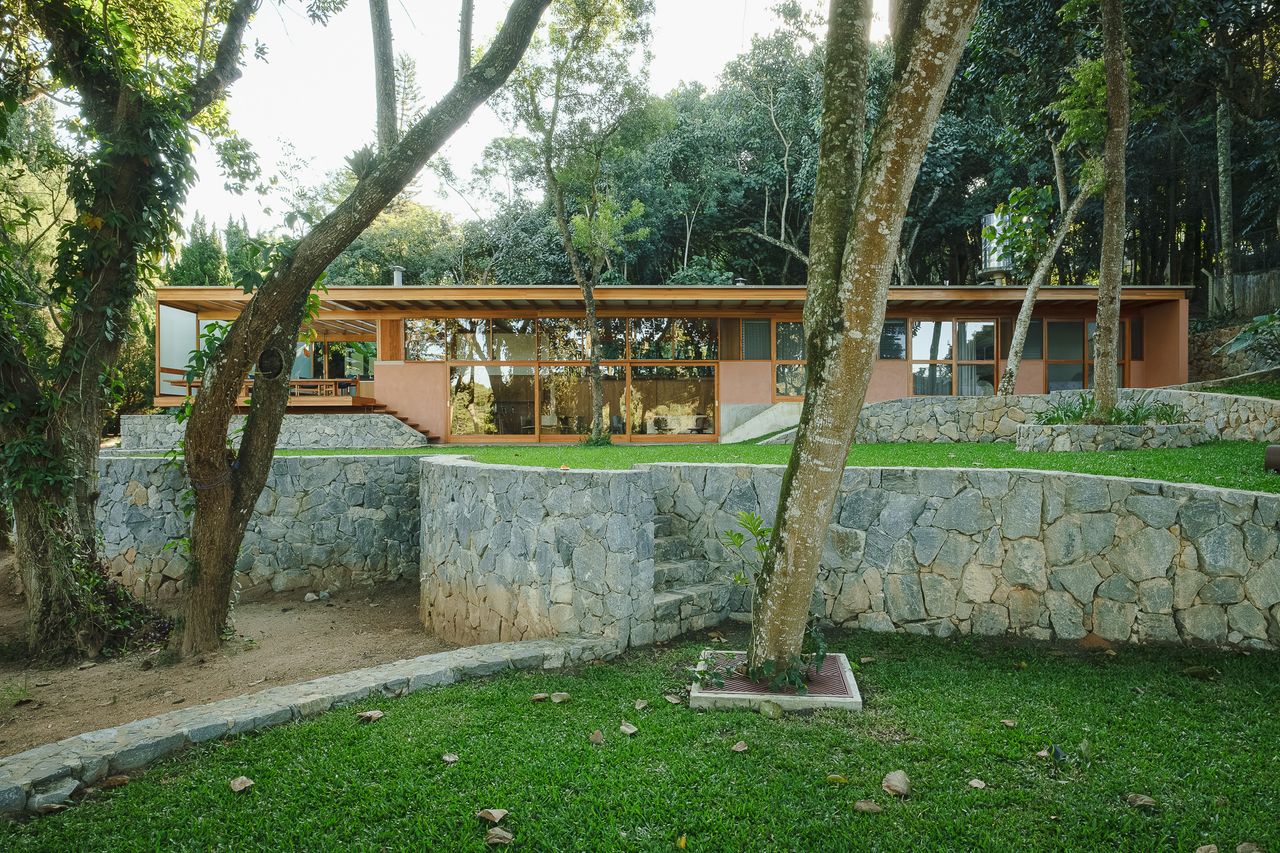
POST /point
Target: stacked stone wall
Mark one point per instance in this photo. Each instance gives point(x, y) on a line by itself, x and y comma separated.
point(321, 430)
point(511, 553)
point(322, 523)
point(1048, 438)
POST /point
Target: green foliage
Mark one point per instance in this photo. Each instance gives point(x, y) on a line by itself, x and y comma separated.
point(701, 270)
point(1083, 409)
point(1023, 226)
point(425, 242)
point(1260, 335)
point(202, 261)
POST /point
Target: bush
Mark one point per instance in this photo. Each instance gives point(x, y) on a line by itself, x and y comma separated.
point(1084, 410)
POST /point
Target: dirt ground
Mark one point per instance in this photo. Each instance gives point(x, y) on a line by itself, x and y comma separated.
point(278, 641)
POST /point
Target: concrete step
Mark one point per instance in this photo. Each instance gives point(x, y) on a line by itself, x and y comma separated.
point(672, 573)
point(689, 608)
point(671, 548)
point(661, 525)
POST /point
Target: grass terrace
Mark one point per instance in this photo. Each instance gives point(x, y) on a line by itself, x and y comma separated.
point(1268, 389)
point(1230, 464)
point(1194, 730)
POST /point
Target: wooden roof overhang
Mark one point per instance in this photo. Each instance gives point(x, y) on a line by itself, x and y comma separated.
point(356, 310)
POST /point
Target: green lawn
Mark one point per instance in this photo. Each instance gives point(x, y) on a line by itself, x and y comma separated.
point(1208, 752)
point(1236, 464)
point(1270, 390)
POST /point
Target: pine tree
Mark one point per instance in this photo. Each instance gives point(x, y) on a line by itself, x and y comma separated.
point(202, 262)
point(236, 238)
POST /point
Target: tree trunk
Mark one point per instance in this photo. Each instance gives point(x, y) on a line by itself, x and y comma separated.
point(1111, 267)
point(1009, 377)
point(1226, 218)
point(857, 222)
point(599, 431)
point(384, 74)
point(227, 484)
point(464, 37)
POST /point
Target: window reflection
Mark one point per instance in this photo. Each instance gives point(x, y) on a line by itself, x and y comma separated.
point(564, 400)
point(491, 400)
point(672, 400)
point(931, 340)
point(424, 340)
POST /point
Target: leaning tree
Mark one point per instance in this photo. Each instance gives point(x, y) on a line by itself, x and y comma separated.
point(262, 339)
point(143, 78)
point(860, 200)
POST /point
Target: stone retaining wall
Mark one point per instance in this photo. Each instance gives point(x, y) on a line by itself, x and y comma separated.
point(992, 418)
point(321, 430)
point(322, 523)
point(1035, 554)
point(518, 553)
point(1206, 361)
point(1044, 438)
point(1028, 553)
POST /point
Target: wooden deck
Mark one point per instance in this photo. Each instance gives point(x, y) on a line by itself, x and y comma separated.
point(307, 403)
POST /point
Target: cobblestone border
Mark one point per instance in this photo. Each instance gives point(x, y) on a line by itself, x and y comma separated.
point(49, 775)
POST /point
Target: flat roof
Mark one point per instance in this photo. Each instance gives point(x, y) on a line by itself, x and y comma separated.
point(365, 303)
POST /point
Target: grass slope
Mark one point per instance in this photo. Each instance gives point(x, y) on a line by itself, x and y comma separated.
point(1268, 389)
point(1231, 464)
point(1208, 752)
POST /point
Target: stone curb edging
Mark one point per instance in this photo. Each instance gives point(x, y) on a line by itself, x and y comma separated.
point(1050, 438)
point(48, 775)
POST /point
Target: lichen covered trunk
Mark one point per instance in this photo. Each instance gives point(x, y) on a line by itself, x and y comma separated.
point(51, 548)
point(1226, 206)
point(1111, 266)
point(857, 224)
point(599, 430)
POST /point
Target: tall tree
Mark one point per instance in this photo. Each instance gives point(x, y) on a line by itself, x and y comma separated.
point(571, 97)
point(1115, 60)
point(384, 75)
point(859, 206)
point(142, 87)
point(202, 261)
point(263, 337)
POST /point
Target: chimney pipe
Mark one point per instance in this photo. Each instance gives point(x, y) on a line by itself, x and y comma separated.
point(397, 276)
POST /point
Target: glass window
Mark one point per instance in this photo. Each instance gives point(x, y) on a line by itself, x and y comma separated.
point(1137, 345)
point(513, 340)
point(696, 339)
point(931, 379)
point(562, 339)
point(673, 400)
point(1065, 377)
point(790, 337)
point(975, 380)
point(1066, 340)
point(931, 340)
point(491, 400)
point(1034, 345)
point(613, 337)
point(564, 400)
point(788, 380)
point(976, 341)
point(893, 339)
point(755, 340)
point(651, 337)
point(424, 340)
point(469, 340)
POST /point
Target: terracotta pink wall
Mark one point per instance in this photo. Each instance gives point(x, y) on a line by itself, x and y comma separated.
point(1164, 344)
point(417, 390)
point(1030, 377)
point(746, 382)
point(889, 380)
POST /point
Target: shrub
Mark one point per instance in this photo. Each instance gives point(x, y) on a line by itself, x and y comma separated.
point(1084, 410)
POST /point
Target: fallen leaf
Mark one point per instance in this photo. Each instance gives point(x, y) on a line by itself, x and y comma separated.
point(492, 815)
point(897, 783)
point(740, 746)
point(1248, 847)
point(370, 716)
point(867, 807)
point(1140, 801)
point(256, 683)
point(1204, 673)
point(118, 781)
point(50, 808)
point(1110, 653)
point(241, 783)
point(449, 758)
point(770, 710)
point(627, 729)
point(867, 660)
point(538, 697)
point(596, 737)
point(1020, 665)
point(977, 783)
point(87, 665)
point(715, 635)
point(1008, 724)
point(498, 836)
point(43, 683)
point(558, 698)
point(1207, 848)
point(681, 843)
point(641, 704)
point(672, 698)
point(837, 779)
point(1044, 753)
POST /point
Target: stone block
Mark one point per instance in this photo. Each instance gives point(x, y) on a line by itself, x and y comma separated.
point(1025, 565)
point(1113, 620)
point(939, 595)
point(1065, 614)
point(1205, 622)
point(990, 620)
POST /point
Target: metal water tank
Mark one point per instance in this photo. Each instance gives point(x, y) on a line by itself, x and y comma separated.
point(995, 267)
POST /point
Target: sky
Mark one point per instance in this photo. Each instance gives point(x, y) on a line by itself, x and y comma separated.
point(313, 95)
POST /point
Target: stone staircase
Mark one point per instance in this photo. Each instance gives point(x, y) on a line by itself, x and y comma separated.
point(689, 594)
point(383, 408)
